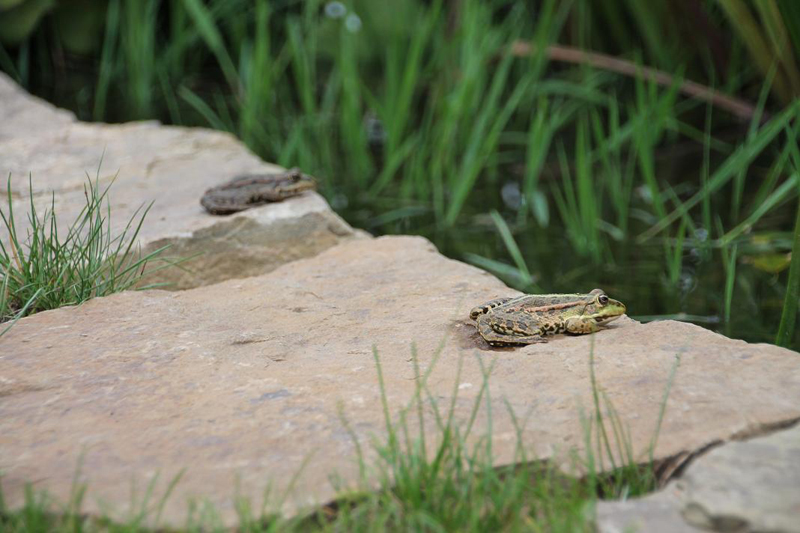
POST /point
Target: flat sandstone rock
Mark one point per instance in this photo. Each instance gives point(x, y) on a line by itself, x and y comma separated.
point(171, 166)
point(240, 383)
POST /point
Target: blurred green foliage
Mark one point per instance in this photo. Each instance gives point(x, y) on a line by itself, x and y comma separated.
point(77, 23)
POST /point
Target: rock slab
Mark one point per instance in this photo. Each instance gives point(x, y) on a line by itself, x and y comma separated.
point(660, 513)
point(753, 485)
point(240, 383)
point(170, 166)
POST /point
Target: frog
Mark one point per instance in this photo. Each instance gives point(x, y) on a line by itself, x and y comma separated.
point(528, 319)
point(251, 190)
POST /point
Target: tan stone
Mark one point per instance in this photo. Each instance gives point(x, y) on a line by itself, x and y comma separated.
point(171, 166)
point(25, 115)
point(753, 485)
point(241, 380)
point(659, 513)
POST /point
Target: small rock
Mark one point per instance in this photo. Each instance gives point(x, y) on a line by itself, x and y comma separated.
point(753, 485)
point(659, 513)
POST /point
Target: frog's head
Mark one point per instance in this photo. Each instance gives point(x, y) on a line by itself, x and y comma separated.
point(603, 309)
point(294, 182)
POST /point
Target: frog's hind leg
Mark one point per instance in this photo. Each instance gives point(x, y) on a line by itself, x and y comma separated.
point(488, 329)
point(491, 304)
point(491, 336)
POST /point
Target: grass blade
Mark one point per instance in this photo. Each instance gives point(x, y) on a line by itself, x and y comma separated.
point(208, 30)
point(511, 246)
point(741, 157)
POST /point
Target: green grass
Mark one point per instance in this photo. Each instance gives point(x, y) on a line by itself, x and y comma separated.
point(50, 266)
point(428, 480)
point(788, 322)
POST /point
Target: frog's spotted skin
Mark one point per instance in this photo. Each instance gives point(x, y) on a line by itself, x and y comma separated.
point(528, 319)
point(251, 190)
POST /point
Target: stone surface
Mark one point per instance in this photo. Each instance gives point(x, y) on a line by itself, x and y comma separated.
point(659, 513)
point(171, 166)
point(24, 115)
point(240, 382)
point(753, 485)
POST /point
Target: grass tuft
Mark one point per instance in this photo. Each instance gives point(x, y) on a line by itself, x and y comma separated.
point(49, 267)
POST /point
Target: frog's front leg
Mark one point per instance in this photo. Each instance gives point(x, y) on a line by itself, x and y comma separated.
point(578, 325)
point(500, 328)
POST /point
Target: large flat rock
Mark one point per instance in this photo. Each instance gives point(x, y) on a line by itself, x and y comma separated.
point(752, 485)
point(171, 166)
point(240, 382)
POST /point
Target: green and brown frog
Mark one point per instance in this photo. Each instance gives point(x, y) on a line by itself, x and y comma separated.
point(529, 318)
point(251, 190)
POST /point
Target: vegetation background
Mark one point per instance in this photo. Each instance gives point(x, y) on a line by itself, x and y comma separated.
point(649, 148)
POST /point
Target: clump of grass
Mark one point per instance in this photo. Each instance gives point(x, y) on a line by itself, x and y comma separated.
point(49, 268)
point(455, 485)
point(611, 464)
point(440, 480)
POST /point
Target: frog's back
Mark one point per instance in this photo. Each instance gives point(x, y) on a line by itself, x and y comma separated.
point(547, 302)
point(251, 190)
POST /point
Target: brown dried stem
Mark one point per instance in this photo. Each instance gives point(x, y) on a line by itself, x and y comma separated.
point(568, 54)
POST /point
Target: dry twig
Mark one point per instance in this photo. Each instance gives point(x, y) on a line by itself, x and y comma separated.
point(568, 54)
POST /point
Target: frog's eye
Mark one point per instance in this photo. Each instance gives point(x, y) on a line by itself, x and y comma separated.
point(603, 299)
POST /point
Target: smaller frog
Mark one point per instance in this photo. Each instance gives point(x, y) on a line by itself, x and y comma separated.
point(527, 319)
point(251, 190)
